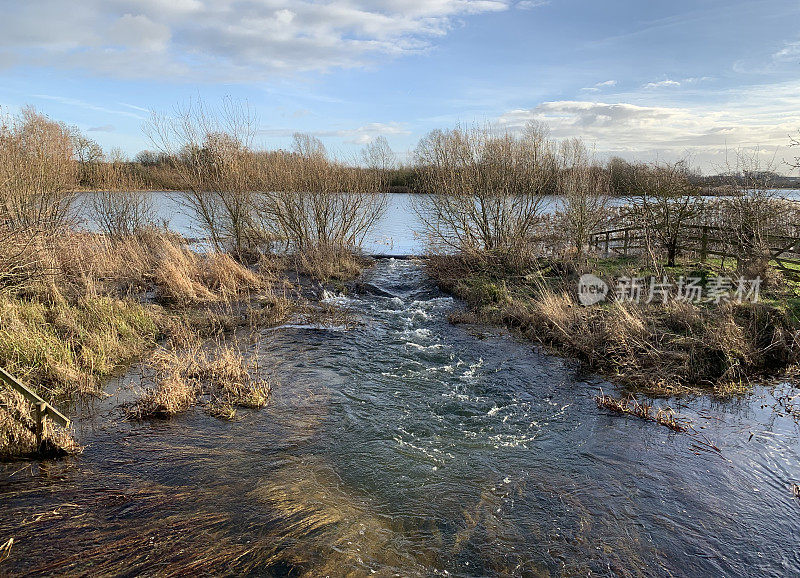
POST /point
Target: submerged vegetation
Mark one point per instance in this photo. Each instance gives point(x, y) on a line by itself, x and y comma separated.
point(642, 410)
point(221, 378)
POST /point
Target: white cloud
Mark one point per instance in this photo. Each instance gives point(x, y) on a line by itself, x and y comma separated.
point(754, 119)
point(600, 85)
point(662, 84)
point(789, 53)
point(359, 136)
point(531, 4)
point(89, 106)
point(223, 39)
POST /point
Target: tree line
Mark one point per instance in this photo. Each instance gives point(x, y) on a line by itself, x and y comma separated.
point(488, 190)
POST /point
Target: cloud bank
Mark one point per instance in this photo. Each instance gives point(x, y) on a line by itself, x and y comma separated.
point(223, 40)
point(647, 132)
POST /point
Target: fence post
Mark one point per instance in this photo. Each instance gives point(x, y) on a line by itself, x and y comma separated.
point(608, 240)
point(40, 409)
point(625, 243)
point(704, 245)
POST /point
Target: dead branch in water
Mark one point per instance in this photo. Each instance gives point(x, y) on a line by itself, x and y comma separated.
point(642, 410)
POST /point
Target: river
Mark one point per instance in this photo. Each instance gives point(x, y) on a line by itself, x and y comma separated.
point(404, 445)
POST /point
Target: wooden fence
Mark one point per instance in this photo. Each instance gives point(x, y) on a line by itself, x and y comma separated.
point(42, 409)
point(700, 240)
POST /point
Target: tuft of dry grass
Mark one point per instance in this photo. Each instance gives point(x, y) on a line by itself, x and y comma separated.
point(221, 379)
point(330, 264)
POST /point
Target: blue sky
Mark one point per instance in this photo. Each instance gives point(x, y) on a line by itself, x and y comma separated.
point(642, 79)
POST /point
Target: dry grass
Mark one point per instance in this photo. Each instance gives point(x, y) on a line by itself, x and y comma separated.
point(658, 348)
point(151, 260)
point(329, 264)
point(221, 378)
point(62, 347)
point(89, 311)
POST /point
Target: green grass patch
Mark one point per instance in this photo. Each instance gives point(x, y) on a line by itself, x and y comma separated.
point(61, 348)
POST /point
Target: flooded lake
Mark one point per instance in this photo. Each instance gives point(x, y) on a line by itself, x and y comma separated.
point(398, 232)
point(407, 446)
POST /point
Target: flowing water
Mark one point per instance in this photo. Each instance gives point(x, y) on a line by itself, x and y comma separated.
point(403, 445)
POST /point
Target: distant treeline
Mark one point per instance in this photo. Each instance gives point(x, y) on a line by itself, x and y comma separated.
point(153, 170)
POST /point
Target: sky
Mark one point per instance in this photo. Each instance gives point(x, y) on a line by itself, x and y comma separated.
point(644, 79)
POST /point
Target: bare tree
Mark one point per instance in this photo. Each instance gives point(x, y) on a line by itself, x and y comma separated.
point(379, 158)
point(211, 151)
point(486, 188)
point(315, 203)
point(584, 193)
point(752, 210)
point(795, 142)
point(378, 155)
point(622, 176)
point(666, 201)
point(38, 170)
point(308, 147)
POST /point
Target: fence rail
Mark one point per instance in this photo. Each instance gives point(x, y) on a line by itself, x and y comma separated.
point(42, 409)
point(702, 240)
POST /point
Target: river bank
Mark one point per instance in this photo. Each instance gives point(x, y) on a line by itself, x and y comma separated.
point(661, 343)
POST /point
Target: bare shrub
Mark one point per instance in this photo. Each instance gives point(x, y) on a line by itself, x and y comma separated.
point(38, 171)
point(751, 211)
point(21, 252)
point(211, 151)
point(246, 199)
point(120, 206)
point(316, 204)
point(486, 189)
point(584, 190)
point(119, 213)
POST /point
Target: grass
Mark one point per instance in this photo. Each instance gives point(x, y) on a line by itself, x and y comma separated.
point(186, 373)
point(330, 264)
point(64, 348)
point(87, 306)
point(657, 348)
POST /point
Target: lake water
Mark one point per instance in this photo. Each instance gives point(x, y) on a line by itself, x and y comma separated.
point(398, 232)
point(406, 446)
